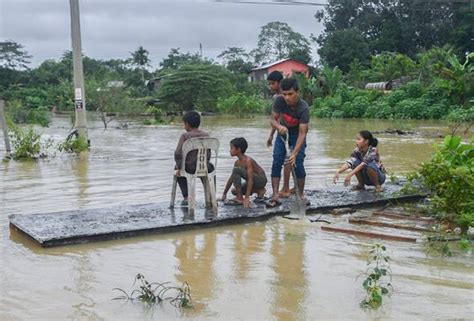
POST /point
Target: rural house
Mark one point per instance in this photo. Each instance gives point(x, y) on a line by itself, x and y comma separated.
point(286, 66)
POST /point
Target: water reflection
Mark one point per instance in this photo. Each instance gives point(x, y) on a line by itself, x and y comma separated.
point(247, 243)
point(79, 169)
point(196, 255)
point(289, 286)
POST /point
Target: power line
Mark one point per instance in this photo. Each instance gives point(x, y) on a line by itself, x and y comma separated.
point(272, 2)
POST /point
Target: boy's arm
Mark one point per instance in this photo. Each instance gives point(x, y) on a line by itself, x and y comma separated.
point(178, 153)
point(275, 122)
point(303, 131)
point(270, 138)
point(228, 185)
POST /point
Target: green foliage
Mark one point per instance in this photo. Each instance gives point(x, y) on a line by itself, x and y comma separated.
point(277, 40)
point(152, 293)
point(20, 114)
point(449, 175)
point(341, 47)
point(390, 65)
point(378, 270)
point(27, 144)
point(241, 105)
point(74, 145)
point(437, 100)
point(237, 60)
point(13, 56)
point(195, 87)
point(359, 29)
point(158, 116)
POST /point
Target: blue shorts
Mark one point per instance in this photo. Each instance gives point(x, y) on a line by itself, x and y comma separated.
point(365, 176)
point(279, 154)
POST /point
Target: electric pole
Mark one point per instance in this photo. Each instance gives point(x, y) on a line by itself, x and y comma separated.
point(3, 122)
point(79, 94)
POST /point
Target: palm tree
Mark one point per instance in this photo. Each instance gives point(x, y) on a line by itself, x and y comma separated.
point(141, 60)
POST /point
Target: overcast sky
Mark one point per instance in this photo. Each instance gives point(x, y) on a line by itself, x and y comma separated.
point(113, 28)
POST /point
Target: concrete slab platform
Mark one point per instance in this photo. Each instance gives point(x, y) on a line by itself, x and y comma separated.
point(81, 226)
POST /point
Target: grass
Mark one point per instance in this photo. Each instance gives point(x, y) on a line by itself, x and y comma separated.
point(152, 293)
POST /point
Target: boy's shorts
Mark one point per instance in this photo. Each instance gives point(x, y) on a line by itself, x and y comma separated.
point(279, 155)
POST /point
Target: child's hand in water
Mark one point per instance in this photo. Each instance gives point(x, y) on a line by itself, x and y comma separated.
point(347, 180)
point(335, 178)
point(246, 202)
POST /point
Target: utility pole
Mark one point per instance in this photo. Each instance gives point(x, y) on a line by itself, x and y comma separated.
point(3, 122)
point(79, 94)
point(200, 50)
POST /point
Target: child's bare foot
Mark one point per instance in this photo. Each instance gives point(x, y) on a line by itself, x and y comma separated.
point(378, 189)
point(284, 193)
point(261, 193)
point(358, 188)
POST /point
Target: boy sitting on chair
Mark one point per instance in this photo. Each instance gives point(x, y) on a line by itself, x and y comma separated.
point(191, 123)
point(245, 168)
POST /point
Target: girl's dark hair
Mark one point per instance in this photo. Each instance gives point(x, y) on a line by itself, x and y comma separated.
point(365, 134)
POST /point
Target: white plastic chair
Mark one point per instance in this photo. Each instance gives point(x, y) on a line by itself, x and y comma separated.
point(203, 146)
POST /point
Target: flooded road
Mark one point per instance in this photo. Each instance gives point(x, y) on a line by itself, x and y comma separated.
point(272, 270)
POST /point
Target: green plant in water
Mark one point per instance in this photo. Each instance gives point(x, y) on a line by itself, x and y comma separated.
point(27, 144)
point(74, 145)
point(158, 116)
point(151, 293)
point(377, 272)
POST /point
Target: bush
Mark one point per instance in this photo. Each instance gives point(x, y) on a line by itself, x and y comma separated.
point(410, 108)
point(449, 175)
point(356, 108)
point(20, 114)
point(27, 144)
point(74, 145)
point(241, 105)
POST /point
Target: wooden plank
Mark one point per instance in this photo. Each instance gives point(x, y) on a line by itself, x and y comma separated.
point(397, 215)
point(369, 234)
point(356, 220)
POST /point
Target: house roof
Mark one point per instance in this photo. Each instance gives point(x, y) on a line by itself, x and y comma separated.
point(266, 66)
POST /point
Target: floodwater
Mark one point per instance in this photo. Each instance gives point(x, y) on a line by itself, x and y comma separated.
point(271, 270)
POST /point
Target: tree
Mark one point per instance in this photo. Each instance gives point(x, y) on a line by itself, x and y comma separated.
point(278, 41)
point(141, 60)
point(195, 87)
point(177, 59)
point(341, 47)
point(404, 26)
point(236, 59)
point(13, 56)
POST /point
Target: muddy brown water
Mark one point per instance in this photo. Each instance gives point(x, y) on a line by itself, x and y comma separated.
point(271, 270)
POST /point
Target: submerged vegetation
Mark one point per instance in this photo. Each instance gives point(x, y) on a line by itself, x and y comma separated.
point(27, 144)
point(449, 178)
point(377, 283)
point(152, 293)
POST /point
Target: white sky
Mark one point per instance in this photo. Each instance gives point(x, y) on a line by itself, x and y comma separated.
point(114, 28)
